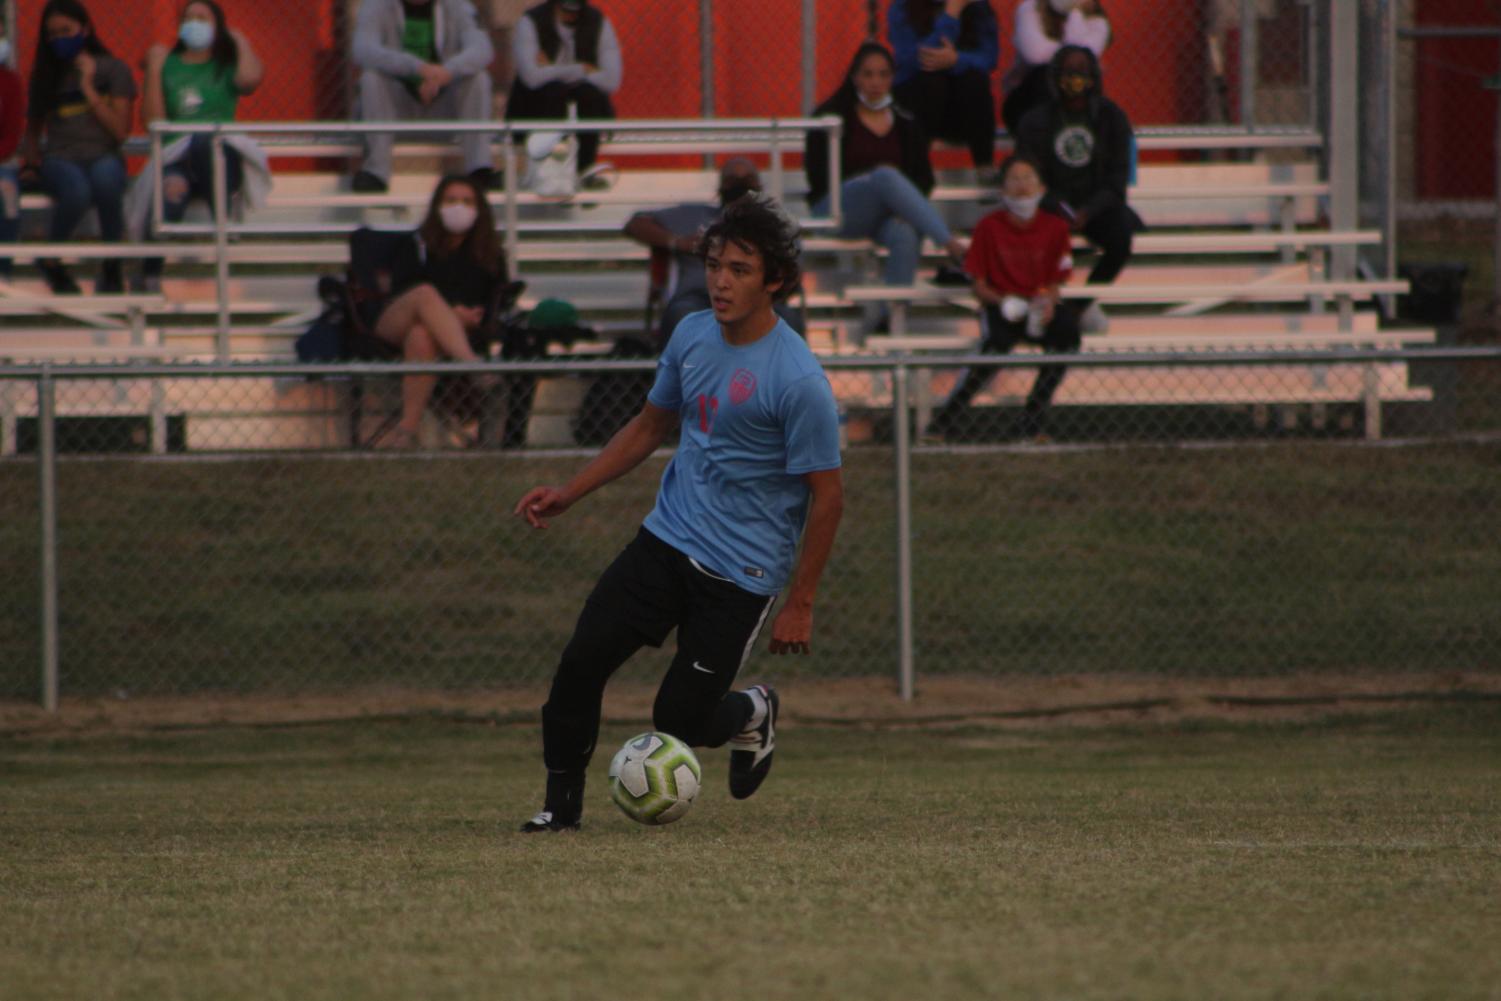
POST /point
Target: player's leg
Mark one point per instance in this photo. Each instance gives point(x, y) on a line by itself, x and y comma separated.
point(635, 603)
point(718, 631)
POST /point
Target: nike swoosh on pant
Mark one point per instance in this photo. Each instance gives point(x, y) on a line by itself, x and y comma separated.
point(699, 667)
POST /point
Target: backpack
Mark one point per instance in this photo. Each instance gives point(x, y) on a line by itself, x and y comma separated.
point(613, 398)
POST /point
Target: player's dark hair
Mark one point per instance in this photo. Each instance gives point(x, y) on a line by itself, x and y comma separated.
point(757, 223)
point(1012, 161)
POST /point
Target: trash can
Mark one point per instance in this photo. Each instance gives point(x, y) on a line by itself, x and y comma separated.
point(1436, 295)
point(1437, 292)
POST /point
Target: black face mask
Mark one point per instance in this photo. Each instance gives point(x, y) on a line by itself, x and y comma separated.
point(733, 190)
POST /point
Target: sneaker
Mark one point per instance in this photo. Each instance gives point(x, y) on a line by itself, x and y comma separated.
point(1093, 320)
point(952, 274)
point(367, 183)
point(58, 278)
point(749, 767)
point(545, 821)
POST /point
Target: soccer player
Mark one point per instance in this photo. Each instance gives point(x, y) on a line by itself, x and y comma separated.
point(756, 468)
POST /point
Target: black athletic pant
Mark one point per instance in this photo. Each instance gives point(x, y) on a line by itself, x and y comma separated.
point(1111, 232)
point(650, 589)
point(958, 108)
point(552, 101)
point(1060, 336)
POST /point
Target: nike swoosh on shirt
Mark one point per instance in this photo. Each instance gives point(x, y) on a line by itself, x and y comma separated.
point(699, 667)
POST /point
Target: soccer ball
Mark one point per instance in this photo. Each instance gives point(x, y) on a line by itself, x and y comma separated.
point(654, 778)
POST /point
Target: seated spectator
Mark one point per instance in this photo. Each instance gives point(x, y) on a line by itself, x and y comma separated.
point(566, 53)
point(441, 283)
point(1020, 258)
point(1042, 27)
point(677, 229)
point(200, 79)
point(422, 60)
point(1082, 140)
point(12, 122)
point(945, 53)
point(885, 175)
point(77, 117)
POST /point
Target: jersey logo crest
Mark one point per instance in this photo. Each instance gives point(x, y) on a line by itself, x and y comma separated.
point(742, 385)
point(1074, 145)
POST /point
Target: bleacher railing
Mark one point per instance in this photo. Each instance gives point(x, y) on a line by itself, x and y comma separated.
point(236, 562)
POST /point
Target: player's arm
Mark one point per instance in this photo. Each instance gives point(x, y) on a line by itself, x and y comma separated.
point(792, 630)
point(641, 436)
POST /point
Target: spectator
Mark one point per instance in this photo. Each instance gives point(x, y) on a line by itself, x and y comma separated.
point(1042, 27)
point(422, 60)
point(884, 170)
point(200, 79)
point(678, 229)
point(1020, 258)
point(12, 122)
point(566, 53)
point(77, 117)
point(441, 283)
point(945, 52)
point(1082, 139)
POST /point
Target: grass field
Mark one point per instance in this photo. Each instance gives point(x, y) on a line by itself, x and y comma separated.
point(1352, 857)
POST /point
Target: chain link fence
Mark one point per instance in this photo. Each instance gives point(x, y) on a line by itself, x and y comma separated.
point(215, 531)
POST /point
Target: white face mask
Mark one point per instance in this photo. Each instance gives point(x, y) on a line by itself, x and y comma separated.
point(1022, 208)
point(1063, 7)
point(878, 105)
point(458, 217)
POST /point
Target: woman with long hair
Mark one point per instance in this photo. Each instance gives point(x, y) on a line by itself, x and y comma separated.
point(441, 284)
point(1042, 28)
point(78, 115)
point(885, 174)
point(201, 78)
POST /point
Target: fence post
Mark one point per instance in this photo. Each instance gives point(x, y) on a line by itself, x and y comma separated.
point(706, 65)
point(903, 445)
point(810, 56)
point(221, 245)
point(47, 491)
point(1344, 131)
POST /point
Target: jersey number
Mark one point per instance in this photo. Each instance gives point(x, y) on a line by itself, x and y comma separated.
point(708, 406)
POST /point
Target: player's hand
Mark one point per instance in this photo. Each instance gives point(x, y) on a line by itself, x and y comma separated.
point(792, 629)
point(542, 503)
point(86, 66)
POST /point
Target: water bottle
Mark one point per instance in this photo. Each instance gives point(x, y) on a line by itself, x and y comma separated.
point(1035, 322)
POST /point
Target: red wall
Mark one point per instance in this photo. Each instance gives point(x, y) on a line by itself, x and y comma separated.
point(1455, 121)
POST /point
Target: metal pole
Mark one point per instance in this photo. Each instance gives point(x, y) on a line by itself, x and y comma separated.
point(810, 55)
point(221, 247)
point(706, 65)
point(513, 220)
point(899, 416)
point(1344, 131)
point(1248, 42)
point(1495, 304)
point(47, 492)
point(836, 207)
point(156, 181)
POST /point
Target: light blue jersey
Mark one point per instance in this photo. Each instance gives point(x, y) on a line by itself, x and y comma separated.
point(754, 420)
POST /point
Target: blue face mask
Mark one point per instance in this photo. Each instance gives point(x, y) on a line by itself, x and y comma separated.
point(196, 35)
point(68, 46)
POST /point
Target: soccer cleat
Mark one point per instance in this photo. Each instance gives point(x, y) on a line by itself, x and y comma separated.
point(751, 760)
point(545, 821)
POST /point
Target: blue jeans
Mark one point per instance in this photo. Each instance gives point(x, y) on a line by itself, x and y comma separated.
point(886, 207)
point(10, 212)
point(76, 186)
point(196, 168)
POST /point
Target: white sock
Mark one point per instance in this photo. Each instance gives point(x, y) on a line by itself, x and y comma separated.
point(758, 715)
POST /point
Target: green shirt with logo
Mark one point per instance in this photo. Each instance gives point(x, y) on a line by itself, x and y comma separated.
point(198, 92)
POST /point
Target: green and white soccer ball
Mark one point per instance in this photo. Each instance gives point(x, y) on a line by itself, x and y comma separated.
point(655, 778)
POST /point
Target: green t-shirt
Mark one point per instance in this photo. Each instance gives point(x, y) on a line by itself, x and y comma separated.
point(418, 38)
point(198, 92)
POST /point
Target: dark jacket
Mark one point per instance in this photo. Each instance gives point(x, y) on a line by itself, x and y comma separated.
point(585, 33)
point(909, 131)
point(1098, 143)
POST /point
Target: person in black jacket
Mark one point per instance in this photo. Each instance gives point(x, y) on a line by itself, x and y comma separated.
point(884, 175)
point(1082, 140)
point(441, 283)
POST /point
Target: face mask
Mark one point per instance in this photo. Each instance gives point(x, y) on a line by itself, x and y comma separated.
point(878, 105)
point(196, 35)
point(1023, 208)
point(734, 190)
point(5, 50)
point(458, 217)
point(1063, 7)
point(1076, 84)
point(68, 46)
